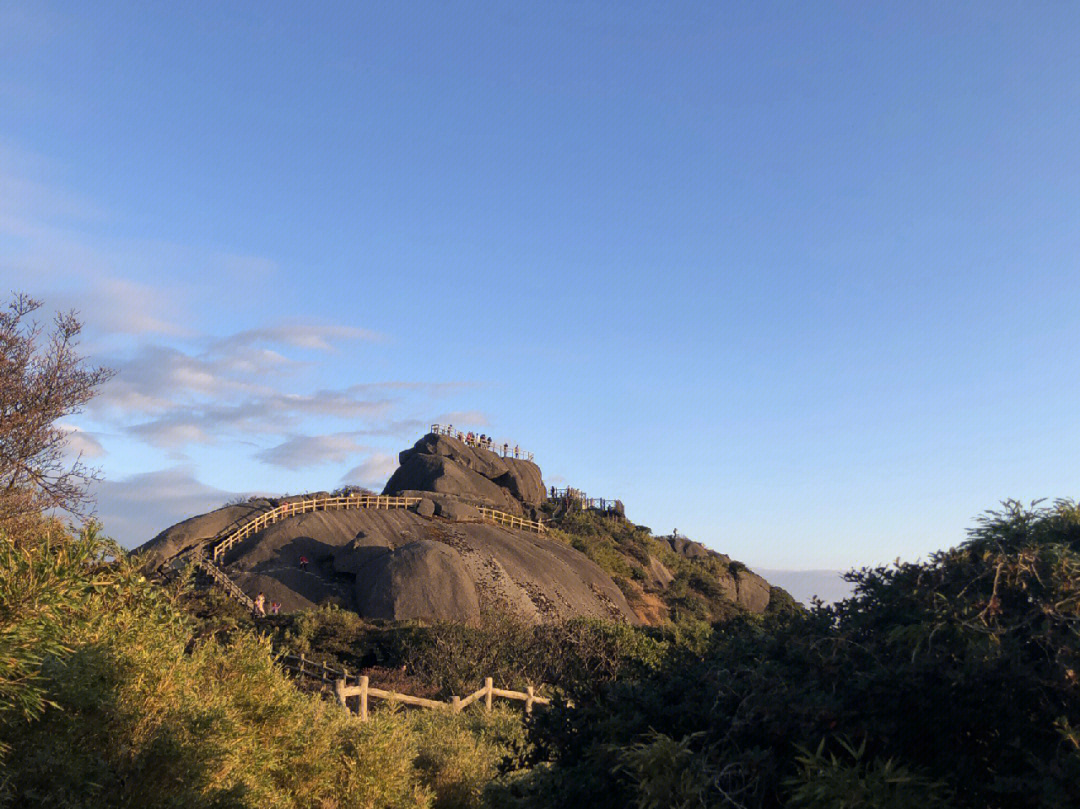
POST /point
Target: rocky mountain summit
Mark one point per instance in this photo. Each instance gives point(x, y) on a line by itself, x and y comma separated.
point(454, 474)
point(451, 541)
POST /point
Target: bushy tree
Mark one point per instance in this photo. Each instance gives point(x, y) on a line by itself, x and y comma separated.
point(43, 378)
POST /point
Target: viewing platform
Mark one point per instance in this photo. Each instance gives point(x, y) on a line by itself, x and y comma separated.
point(572, 495)
point(475, 441)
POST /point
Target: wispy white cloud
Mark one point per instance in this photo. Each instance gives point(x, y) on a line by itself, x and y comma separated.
point(177, 386)
point(466, 418)
point(372, 472)
point(302, 451)
point(81, 442)
point(135, 509)
point(312, 336)
point(207, 422)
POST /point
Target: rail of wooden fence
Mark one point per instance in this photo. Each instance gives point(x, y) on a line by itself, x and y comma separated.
point(363, 691)
point(509, 520)
point(222, 579)
point(268, 518)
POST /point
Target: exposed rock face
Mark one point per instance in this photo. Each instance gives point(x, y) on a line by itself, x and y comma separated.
point(438, 463)
point(687, 547)
point(424, 580)
point(191, 531)
point(747, 589)
point(658, 573)
point(358, 559)
point(204, 527)
point(754, 591)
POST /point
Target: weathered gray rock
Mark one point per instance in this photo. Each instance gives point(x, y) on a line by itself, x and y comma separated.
point(524, 481)
point(195, 531)
point(658, 573)
point(360, 552)
point(514, 572)
point(753, 591)
point(730, 587)
point(441, 474)
point(451, 509)
point(438, 463)
point(688, 548)
point(483, 462)
point(426, 508)
point(423, 580)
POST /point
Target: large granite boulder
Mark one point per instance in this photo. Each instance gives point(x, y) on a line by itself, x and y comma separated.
point(748, 590)
point(423, 580)
point(438, 463)
point(657, 573)
point(687, 547)
point(524, 481)
point(754, 591)
point(360, 552)
point(437, 473)
point(352, 554)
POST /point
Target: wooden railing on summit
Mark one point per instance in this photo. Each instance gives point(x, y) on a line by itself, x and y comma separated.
point(481, 442)
point(363, 691)
point(268, 518)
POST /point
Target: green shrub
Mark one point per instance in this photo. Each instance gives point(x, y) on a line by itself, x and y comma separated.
point(826, 781)
point(667, 773)
point(458, 757)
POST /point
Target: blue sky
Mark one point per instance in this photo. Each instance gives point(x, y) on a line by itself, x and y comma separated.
point(800, 280)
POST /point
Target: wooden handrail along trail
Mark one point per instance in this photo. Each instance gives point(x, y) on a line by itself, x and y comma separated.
point(510, 521)
point(268, 518)
point(221, 578)
point(211, 565)
point(475, 442)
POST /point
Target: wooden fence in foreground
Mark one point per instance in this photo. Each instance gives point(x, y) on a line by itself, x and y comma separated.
point(363, 691)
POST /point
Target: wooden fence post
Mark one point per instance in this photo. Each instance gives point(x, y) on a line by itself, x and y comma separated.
point(302, 663)
point(339, 692)
point(455, 703)
point(529, 701)
point(488, 685)
point(363, 697)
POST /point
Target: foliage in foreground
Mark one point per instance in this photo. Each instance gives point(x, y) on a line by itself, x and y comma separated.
point(952, 682)
point(118, 703)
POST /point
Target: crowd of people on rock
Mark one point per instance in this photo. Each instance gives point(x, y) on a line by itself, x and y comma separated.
point(481, 441)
